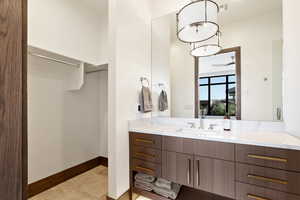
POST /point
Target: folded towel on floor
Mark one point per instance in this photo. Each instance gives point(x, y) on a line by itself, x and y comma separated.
point(146, 100)
point(163, 101)
point(173, 193)
point(163, 183)
point(144, 177)
point(143, 185)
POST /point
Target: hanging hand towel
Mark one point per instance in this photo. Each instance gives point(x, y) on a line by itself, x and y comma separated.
point(146, 100)
point(163, 101)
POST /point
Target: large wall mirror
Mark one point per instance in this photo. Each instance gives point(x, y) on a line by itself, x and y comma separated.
point(243, 80)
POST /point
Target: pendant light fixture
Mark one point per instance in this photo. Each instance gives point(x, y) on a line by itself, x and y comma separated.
point(207, 48)
point(197, 21)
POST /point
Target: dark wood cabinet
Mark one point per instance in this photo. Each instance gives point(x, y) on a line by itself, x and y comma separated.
point(218, 150)
point(269, 178)
point(180, 145)
point(146, 167)
point(147, 154)
point(268, 157)
point(251, 192)
point(224, 178)
point(203, 173)
point(224, 170)
point(178, 167)
point(146, 140)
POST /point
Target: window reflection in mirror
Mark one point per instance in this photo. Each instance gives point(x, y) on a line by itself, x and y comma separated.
point(218, 85)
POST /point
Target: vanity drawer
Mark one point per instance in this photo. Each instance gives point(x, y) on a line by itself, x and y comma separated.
point(146, 140)
point(268, 157)
point(219, 150)
point(147, 154)
point(250, 192)
point(146, 167)
point(270, 178)
point(177, 144)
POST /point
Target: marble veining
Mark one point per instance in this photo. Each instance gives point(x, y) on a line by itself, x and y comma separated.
point(268, 134)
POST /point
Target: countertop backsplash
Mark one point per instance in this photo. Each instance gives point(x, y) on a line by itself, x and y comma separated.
point(236, 125)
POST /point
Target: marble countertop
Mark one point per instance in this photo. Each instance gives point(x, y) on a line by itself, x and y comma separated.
point(267, 138)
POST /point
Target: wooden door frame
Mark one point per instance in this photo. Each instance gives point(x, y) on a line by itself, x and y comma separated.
point(13, 100)
point(237, 51)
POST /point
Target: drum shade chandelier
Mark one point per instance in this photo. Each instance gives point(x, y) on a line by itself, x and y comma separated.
point(207, 48)
point(197, 21)
point(197, 24)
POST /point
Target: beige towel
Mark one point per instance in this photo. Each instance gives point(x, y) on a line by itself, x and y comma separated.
point(146, 100)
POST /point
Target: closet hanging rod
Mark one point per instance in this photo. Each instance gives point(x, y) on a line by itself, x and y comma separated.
point(100, 70)
point(54, 59)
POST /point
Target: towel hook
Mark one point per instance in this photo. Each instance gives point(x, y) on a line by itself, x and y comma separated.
point(144, 79)
point(161, 85)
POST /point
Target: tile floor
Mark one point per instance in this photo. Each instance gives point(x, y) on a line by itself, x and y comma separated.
point(91, 185)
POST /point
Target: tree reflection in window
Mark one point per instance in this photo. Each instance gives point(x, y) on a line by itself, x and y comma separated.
point(218, 95)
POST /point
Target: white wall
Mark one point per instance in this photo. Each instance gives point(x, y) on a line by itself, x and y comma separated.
point(161, 8)
point(63, 126)
point(291, 88)
point(77, 29)
point(256, 37)
point(103, 105)
point(182, 81)
point(129, 59)
point(161, 44)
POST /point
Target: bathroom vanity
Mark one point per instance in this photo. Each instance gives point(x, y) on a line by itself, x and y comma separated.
point(220, 165)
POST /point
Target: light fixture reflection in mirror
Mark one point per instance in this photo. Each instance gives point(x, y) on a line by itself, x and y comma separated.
point(207, 48)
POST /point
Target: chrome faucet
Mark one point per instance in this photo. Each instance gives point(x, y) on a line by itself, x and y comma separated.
point(192, 124)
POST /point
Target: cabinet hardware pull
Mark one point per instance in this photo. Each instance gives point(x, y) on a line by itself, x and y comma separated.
point(144, 155)
point(189, 172)
point(144, 169)
point(268, 158)
point(198, 172)
point(266, 179)
point(144, 141)
point(251, 196)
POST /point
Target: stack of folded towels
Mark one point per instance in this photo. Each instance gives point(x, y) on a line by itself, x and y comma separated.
point(166, 188)
point(160, 186)
point(144, 181)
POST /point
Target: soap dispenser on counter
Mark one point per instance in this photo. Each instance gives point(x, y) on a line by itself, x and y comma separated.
point(227, 123)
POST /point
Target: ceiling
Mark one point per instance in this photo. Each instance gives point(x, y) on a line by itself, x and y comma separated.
point(208, 63)
point(245, 9)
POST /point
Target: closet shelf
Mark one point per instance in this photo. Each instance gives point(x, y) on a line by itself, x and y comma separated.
point(76, 79)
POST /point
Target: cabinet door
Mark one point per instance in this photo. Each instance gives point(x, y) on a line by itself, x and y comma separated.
point(224, 178)
point(203, 173)
point(211, 149)
point(178, 167)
